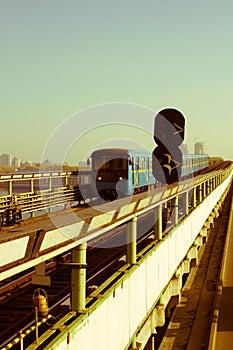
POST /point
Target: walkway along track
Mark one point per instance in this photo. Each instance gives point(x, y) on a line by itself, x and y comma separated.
point(190, 324)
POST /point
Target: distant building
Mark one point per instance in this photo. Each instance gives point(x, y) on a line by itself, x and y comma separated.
point(26, 163)
point(47, 162)
point(6, 159)
point(184, 148)
point(199, 148)
point(16, 162)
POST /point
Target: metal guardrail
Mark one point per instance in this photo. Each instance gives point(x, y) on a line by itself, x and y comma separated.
point(13, 207)
point(20, 176)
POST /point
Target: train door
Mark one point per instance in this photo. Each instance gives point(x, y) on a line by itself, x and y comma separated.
point(136, 170)
point(132, 171)
point(147, 169)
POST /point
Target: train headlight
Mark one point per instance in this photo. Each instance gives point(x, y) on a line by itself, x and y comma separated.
point(99, 178)
point(120, 178)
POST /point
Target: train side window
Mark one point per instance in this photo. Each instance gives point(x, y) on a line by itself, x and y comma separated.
point(142, 163)
point(137, 163)
point(131, 161)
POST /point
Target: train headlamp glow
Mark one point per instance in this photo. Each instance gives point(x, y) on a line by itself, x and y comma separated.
point(120, 178)
point(99, 178)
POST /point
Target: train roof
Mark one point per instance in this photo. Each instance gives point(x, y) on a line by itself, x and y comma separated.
point(120, 151)
point(125, 152)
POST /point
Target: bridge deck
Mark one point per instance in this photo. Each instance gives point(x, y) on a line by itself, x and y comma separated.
point(225, 325)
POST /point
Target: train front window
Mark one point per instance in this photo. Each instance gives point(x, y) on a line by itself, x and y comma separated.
point(107, 163)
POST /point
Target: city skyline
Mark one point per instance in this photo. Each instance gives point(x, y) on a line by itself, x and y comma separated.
point(60, 58)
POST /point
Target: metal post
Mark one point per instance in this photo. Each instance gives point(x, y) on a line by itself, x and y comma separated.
point(199, 194)
point(194, 197)
point(131, 241)
point(36, 325)
point(203, 190)
point(211, 185)
point(158, 231)
point(78, 278)
point(32, 190)
point(133, 345)
point(32, 185)
point(21, 339)
point(206, 188)
point(186, 203)
point(176, 211)
point(152, 342)
point(50, 183)
point(215, 182)
point(10, 187)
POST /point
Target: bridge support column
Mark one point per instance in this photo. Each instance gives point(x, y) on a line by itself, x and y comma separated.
point(131, 242)
point(185, 266)
point(203, 234)
point(176, 285)
point(159, 315)
point(216, 211)
point(199, 241)
point(211, 220)
point(78, 278)
point(193, 254)
point(158, 222)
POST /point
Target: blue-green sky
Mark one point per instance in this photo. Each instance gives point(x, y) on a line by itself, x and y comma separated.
point(58, 57)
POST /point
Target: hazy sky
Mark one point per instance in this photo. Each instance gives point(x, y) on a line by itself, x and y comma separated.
point(62, 56)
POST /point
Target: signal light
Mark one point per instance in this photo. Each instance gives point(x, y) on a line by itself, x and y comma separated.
point(168, 134)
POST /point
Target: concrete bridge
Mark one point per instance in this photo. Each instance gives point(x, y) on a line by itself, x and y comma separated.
point(124, 311)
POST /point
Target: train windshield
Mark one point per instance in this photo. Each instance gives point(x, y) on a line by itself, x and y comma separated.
point(106, 163)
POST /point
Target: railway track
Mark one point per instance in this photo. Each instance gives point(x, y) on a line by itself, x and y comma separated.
point(17, 311)
point(16, 303)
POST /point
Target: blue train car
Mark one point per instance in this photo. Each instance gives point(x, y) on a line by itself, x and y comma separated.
point(121, 172)
point(191, 163)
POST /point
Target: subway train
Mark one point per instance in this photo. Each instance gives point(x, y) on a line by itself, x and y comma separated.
point(119, 172)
